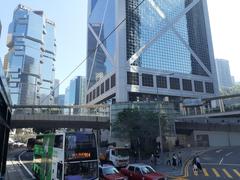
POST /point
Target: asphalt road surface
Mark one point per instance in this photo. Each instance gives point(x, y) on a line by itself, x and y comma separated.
point(219, 164)
point(15, 170)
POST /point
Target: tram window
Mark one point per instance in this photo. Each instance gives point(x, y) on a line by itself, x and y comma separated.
point(58, 143)
point(59, 170)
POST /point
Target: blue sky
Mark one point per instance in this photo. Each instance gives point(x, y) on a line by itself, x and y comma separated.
point(70, 17)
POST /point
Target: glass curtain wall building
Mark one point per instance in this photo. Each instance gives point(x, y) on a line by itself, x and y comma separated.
point(31, 56)
point(75, 94)
point(224, 74)
point(159, 50)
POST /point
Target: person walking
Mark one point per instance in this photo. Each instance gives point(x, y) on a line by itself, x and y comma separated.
point(179, 157)
point(199, 166)
point(152, 159)
point(194, 164)
point(174, 161)
point(168, 159)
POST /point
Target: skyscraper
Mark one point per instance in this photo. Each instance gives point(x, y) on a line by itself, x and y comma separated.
point(56, 90)
point(224, 74)
point(160, 50)
point(75, 92)
point(31, 56)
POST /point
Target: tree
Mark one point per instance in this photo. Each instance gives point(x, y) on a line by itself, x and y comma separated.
point(140, 127)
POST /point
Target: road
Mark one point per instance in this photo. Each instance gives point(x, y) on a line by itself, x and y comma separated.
point(15, 168)
point(219, 164)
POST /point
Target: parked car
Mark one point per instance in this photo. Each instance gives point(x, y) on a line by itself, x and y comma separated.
point(142, 171)
point(109, 172)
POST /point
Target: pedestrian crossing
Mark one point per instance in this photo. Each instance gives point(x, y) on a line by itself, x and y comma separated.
point(228, 173)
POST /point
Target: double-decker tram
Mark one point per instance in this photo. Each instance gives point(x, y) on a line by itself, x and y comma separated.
point(65, 156)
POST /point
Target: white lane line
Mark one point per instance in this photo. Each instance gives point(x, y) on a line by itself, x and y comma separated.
point(19, 159)
point(218, 151)
point(223, 164)
point(221, 161)
point(228, 154)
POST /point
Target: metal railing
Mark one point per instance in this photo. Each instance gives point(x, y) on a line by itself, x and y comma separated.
point(75, 110)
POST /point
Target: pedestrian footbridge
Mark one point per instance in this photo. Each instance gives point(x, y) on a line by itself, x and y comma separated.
point(52, 116)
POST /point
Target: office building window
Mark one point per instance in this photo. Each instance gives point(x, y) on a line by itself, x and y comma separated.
point(132, 78)
point(113, 80)
point(161, 81)
point(87, 98)
point(107, 85)
point(94, 93)
point(174, 83)
point(198, 85)
point(98, 91)
point(90, 98)
point(209, 87)
point(187, 84)
point(147, 80)
point(102, 88)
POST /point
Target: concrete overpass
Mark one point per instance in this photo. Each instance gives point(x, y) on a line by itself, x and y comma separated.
point(84, 116)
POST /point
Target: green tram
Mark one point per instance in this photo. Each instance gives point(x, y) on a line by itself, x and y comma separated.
point(68, 156)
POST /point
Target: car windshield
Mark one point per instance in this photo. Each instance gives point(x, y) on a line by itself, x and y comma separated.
point(122, 152)
point(147, 170)
point(110, 170)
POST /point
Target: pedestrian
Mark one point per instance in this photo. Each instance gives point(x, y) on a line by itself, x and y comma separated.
point(194, 164)
point(152, 159)
point(174, 161)
point(135, 156)
point(198, 163)
point(179, 157)
point(168, 159)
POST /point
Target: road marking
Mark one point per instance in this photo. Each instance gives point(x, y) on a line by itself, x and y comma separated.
point(218, 151)
point(236, 172)
point(205, 172)
point(223, 164)
point(215, 172)
point(19, 159)
point(227, 174)
point(228, 154)
point(221, 161)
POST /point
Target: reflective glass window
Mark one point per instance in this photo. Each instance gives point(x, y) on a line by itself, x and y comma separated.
point(187, 84)
point(147, 80)
point(21, 28)
point(98, 91)
point(161, 81)
point(174, 83)
point(113, 80)
point(102, 88)
point(209, 87)
point(198, 85)
point(132, 78)
point(107, 85)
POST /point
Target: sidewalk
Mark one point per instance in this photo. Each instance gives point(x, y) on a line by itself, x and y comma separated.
point(187, 153)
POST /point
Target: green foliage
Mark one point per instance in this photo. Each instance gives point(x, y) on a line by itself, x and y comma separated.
point(234, 90)
point(139, 125)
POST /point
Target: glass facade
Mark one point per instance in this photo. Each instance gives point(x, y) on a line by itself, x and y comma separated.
point(75, 94)
point(132, 78)
point(30, 60)
point(101, 22)
point(187, 84)
point(169, 52)
point(224, 74)
point(161, 81)
point(198, 85)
